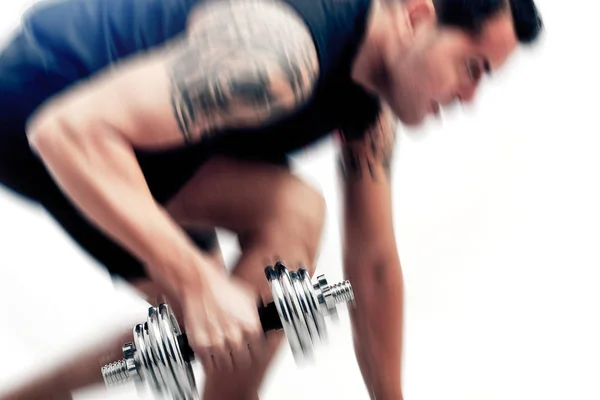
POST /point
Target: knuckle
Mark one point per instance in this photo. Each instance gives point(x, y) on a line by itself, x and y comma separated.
point(252, 331)
point(197, 341)
point(202, 347)
point(234, 337)
point(237, 345)
point(216, 344)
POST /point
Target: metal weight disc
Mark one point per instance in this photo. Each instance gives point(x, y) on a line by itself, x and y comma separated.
point(313, 302)
point(295, 310)
point(305, 307)
point(145, 359)
point(156, 343)
point(188, 371)
point(284, 313)
point(184, 386)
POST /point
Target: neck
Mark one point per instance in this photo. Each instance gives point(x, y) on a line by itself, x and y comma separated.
point(385, 34)
point(369, 65)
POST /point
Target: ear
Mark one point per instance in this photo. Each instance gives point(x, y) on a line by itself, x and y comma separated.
point(420, 13)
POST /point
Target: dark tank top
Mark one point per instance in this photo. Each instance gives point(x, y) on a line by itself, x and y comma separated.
point(62, 42)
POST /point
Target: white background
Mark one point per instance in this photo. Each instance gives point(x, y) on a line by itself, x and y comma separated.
point(496, 214)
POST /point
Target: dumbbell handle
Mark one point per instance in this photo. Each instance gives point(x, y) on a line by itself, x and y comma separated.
point(269, 320)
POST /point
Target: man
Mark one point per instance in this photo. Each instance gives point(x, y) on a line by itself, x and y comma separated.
point(140, 125)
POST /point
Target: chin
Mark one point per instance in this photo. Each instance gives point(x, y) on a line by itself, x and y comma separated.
point(409, 113)
point(412, 120)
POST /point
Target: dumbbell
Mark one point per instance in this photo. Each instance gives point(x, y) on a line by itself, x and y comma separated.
point(160, 356)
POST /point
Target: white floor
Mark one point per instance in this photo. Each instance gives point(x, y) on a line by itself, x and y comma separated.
point(497, 217)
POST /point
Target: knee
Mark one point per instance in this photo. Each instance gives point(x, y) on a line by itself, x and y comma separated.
point(300, 207)
point(296, 219)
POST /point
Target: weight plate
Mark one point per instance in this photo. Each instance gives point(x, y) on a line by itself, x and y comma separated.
point(295, 310)
point(313, 302)
point(183, 386)
point(306, 308)
point(284, 313)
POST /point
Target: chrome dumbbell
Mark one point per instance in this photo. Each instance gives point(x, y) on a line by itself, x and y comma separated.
point(160, 357)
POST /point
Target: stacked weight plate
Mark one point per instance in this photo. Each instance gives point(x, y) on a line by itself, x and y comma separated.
point(159, 357)
point(300, 309)
point(155, 359)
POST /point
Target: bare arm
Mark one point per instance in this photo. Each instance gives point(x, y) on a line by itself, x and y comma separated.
point(371, 260)
point(241, 64)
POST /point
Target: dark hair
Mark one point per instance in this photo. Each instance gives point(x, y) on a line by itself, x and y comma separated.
point(472, 14)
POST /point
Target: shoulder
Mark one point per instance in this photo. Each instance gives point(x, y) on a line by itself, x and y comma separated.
point(255, 27)
point(254, 52)
point(206, 10)
point(337, 27)
point(334, 28)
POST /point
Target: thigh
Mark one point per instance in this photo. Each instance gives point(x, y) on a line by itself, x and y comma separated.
point(278, 218)
point(275, 214)
point(117, 260)
point(242, 196)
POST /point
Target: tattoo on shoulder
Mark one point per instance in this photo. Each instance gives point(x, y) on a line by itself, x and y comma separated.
point(370, 157)
point(244, 63)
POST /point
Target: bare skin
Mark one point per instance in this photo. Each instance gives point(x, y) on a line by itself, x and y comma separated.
point(171, 97)
point(270, 227)
point(365, 169)
point(217, 77)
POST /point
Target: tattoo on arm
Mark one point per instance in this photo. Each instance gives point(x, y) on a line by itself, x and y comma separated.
point(244, 64)
point(371, 156)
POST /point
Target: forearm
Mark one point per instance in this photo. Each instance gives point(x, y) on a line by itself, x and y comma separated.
point(377, 320)
point(100, 174)
point(372, 264)
point(371, 260)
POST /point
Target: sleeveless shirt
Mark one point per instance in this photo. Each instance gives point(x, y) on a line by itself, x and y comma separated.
point(62, 42)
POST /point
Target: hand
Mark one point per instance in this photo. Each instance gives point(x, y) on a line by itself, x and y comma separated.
point(222, 322)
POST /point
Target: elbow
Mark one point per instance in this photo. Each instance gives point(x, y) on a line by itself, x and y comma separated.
point(41, 139)
point(44, 131)
point(52, 134)
point(45, 144)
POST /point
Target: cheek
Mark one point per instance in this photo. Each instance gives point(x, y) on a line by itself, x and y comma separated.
point(444, 65)
point(442, 75)
point(424, 78)
point(427, 74)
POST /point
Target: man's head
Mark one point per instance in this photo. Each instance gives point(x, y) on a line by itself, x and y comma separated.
point(437, 51)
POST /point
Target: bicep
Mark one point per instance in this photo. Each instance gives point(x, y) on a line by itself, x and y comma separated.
point(240, 65)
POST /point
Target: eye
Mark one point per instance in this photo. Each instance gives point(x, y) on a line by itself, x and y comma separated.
point(474, 69)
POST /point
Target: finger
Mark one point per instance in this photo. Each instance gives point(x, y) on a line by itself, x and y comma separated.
point(240, 352)
point(257, 344)
point(257, 349)
point(202, 350)
point(223, 361)
point(199, 344)
point(207, 362)
point(222, 357)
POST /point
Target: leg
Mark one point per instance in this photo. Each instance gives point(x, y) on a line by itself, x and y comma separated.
point(261, 251)
point(276, 216)
point(85, 370)
point(82, 371)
